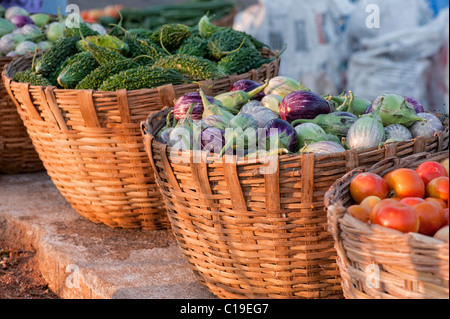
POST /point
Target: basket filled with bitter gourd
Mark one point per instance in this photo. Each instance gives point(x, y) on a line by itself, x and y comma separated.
point(83, 100)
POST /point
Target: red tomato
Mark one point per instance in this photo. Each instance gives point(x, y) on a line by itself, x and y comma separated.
point(398, 216)
point(405, 182)
point(437, 201)
point(412, 201)
point(446, 217)
point(438, 188)
point(431, 217)
point(430, 170)
point(368, 184)
point(379, 205)
point(359, 212)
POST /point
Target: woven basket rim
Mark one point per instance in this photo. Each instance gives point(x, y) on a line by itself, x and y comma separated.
point(337, 211)
point(242, 161)
point(9, 77)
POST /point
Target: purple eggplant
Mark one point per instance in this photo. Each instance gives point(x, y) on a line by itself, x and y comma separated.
point(417, 106)
point(303, 105)
point(247, 86)
point(213, 140)
point(20, 21)
point(283, 132)
point(184, 102)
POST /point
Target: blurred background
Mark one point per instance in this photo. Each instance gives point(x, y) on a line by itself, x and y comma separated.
point(367, 46)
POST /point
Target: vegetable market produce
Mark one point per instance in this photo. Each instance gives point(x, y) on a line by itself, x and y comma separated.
point(303, 105)
point(337, 123)
point(21, 32)
point(285, 135)
point(317, 129)
point(138, 58)
point(366, 132)
point(427, 127)
point(409, 200)
point(389, 234)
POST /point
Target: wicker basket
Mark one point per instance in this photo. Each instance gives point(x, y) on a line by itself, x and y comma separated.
point(247, 234)
point(377, 262)
point(17, 153)
point(91, 144)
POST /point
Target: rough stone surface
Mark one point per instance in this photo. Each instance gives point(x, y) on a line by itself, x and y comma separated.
point(81, 259)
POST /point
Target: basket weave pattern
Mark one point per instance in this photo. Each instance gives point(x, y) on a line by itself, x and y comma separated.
point(17, 153)
point(407, 266)
point(91, 143)
point(248, 234)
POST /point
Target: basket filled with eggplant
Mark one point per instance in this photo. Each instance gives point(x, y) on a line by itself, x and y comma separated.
point(82, 102)
point(243, 175)
point(21, 33)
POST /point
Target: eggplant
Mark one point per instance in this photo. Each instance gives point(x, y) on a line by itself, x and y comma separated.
point(272, 102)
point(366, 132)
point(323, 147)
point(241, 132)
point(337, 123)
point(303, 105)
point(181, 136)
point(215, 121)
point(308, 133)
point(214, 107)
point(21, 20)
point(163, 135)
point(212, 140)
point(183, 103)
point(397, 131)
point(283, 85)
point(428, 127)
point(233, 101)
point(247, 85)
point(394, 109)
point(417, 106)
point(262, 114)
point(283, 133)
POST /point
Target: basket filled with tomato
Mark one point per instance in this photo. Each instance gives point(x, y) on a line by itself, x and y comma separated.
point(391, 228)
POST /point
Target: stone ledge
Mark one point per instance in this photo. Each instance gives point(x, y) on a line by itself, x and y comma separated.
point(83, 260)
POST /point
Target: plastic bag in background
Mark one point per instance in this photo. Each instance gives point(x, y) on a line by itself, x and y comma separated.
point(313, 33)
point(394, 16)
point(409, 61)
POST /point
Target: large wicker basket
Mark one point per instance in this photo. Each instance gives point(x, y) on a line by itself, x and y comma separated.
point(377, 262)
point(91, 144)
point(247, 234)
point(17, 153)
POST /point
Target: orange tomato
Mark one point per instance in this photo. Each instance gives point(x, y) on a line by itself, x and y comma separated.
point(437, 201)
point(405, 182)
point(368, 184)
point(399, 216)
point(379, 205)
point(370, 201)
point(431, 217)
point(359, 212)
point(430, 170)
point(412, 201)
point(438, 188)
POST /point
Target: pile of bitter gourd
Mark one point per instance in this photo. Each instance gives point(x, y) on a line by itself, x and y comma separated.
point(141, 58)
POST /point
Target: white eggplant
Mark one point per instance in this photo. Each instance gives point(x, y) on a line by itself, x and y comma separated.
point(366, 132)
